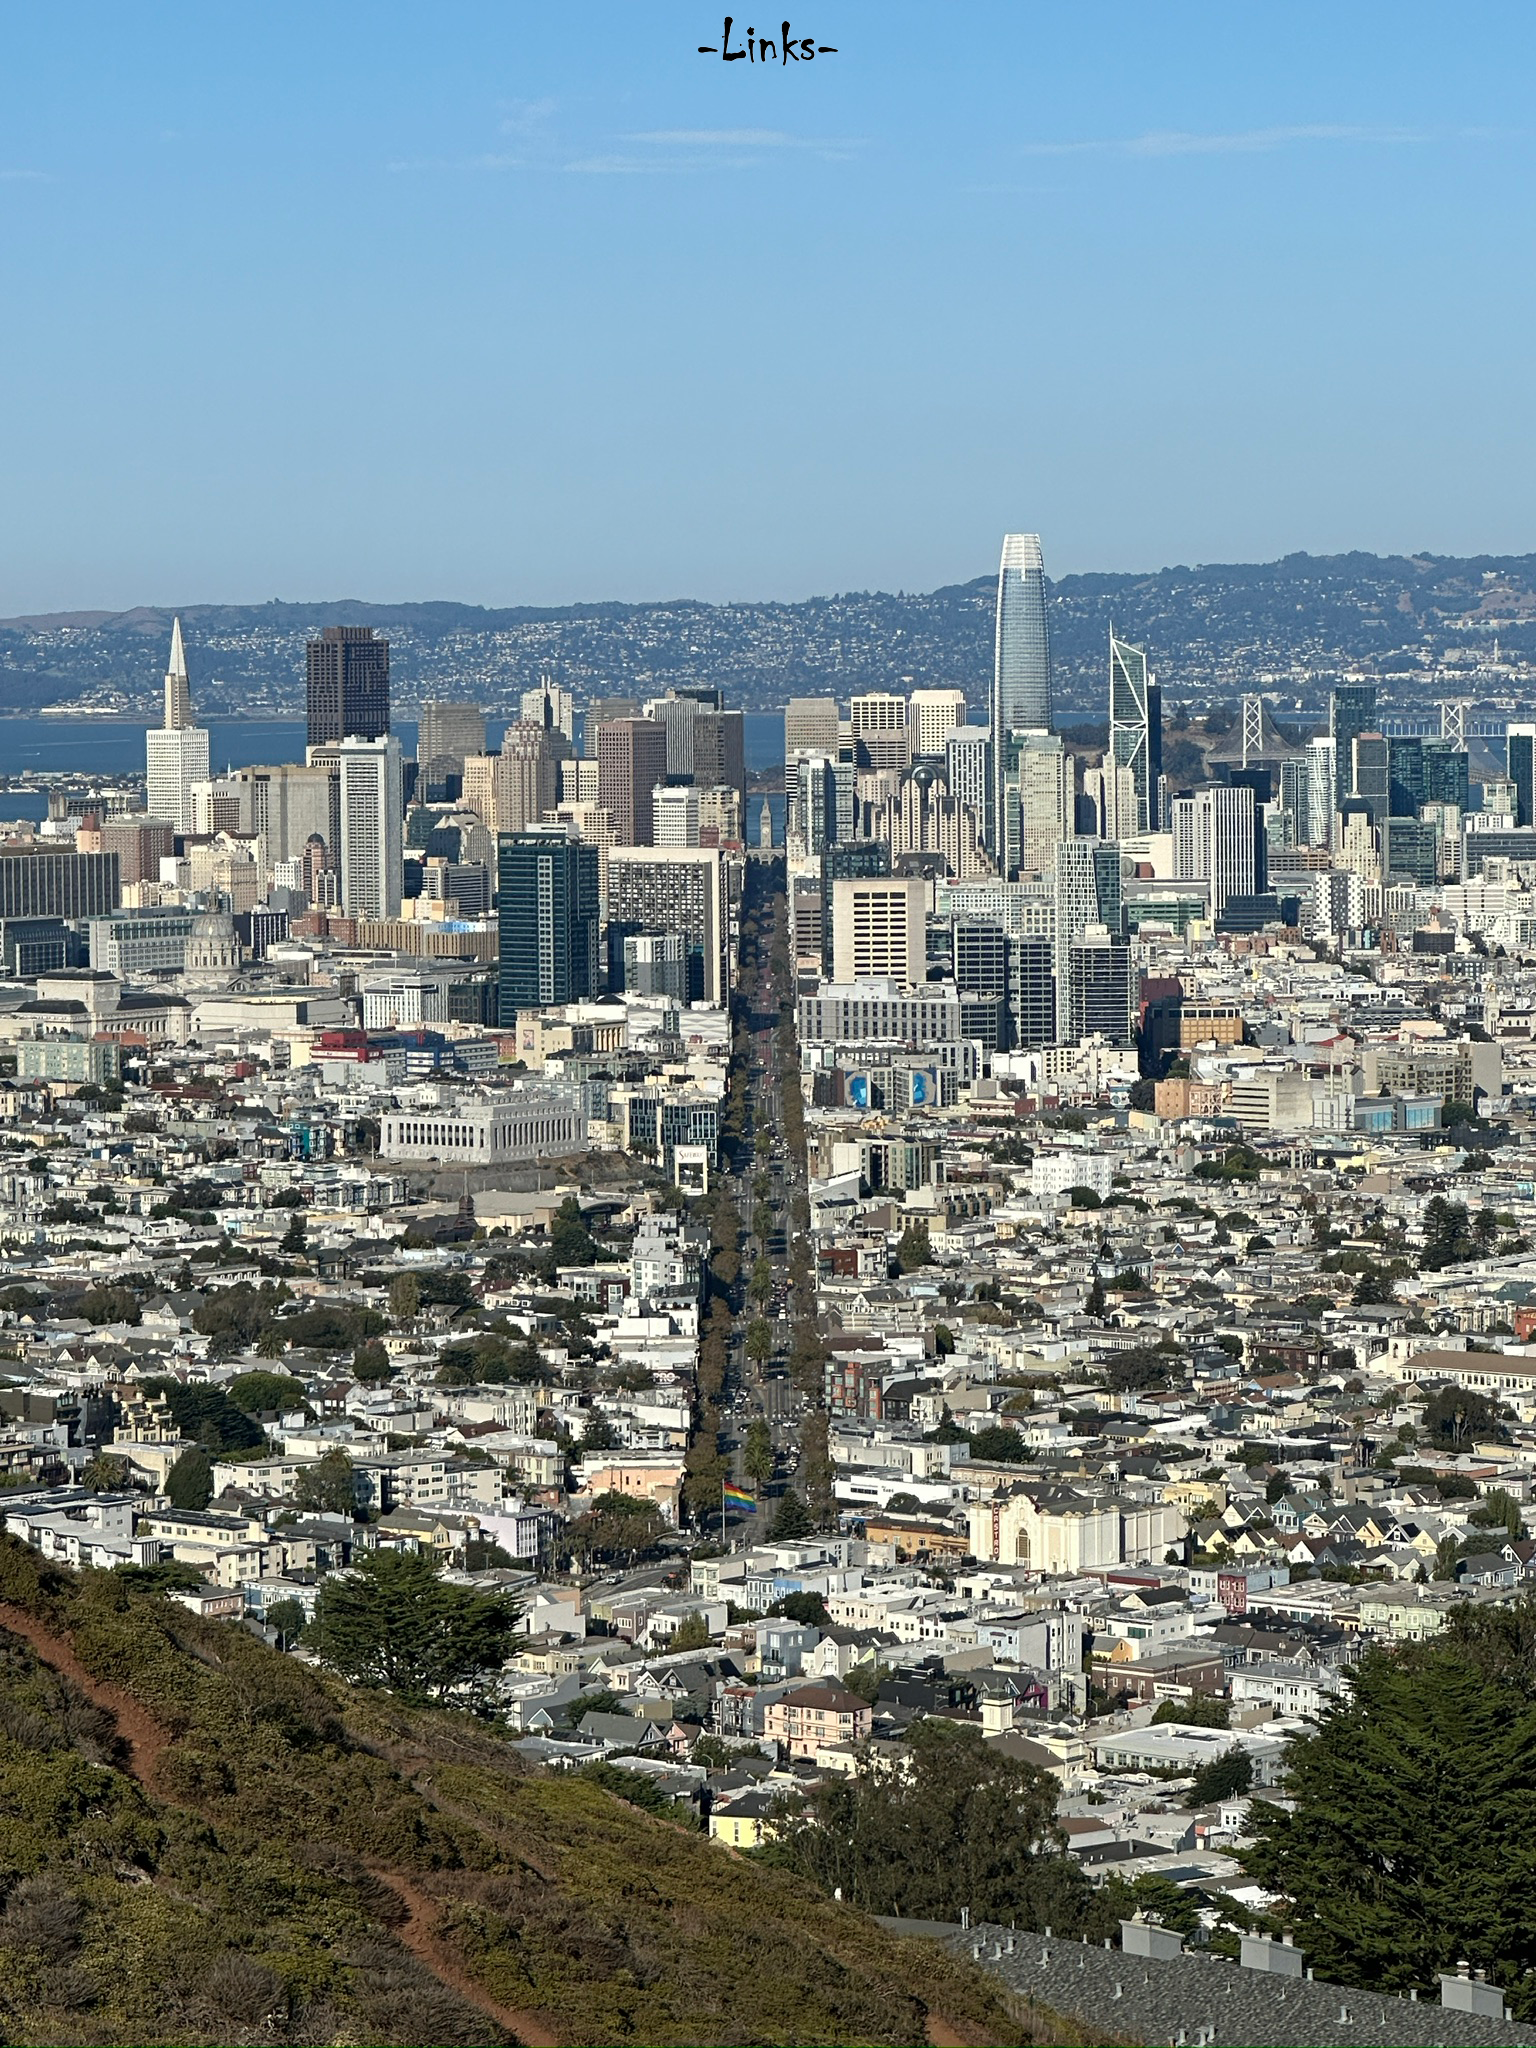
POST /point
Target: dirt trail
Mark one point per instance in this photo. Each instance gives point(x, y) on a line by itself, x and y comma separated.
point(419, 1935)
point(146, 1741)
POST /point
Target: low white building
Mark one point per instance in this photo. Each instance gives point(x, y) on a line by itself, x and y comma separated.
point(1057, 1168)
point(518, 1127)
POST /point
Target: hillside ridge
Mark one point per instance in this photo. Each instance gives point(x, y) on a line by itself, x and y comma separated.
point(205, 1841)
point(1211, 629)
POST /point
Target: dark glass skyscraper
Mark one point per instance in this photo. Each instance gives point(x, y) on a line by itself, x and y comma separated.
point(347, 686)
point(1021, 669)
point(1520, 760)
point(1351, 711)
point(548, 917)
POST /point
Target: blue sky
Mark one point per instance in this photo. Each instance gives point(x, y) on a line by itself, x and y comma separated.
point(528, 304)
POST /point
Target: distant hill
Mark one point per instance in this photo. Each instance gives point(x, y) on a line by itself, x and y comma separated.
point(1209, 631)
point(202, 1841)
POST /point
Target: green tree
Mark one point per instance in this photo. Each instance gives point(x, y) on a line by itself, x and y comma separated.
point(393, 1622)
point(1410, 1843)
point(295, 1240)
point(189, 1483)
point(1200, 1710)
point(207, 1416)
point(809, 1608)
point(759, 1344)
point(999, 1445)
point(266, 1393)
point(287, 1617)
point(405, 1297)
point(617, 1525)
point(110, 1305)
point(692, 1633)
point(328, 1486)
point(757, 1454)
point(790, 1521)
point(964, 1827)
point(1455, 1417)
point(819, 1472)
point(704, 1470)
point(105, 1474)
point(1499, 1511)
point(865, 1681)
point(372, 1364)
point(1224, 1777)
point(913, 1249)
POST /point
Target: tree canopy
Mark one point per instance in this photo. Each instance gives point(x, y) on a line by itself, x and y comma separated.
point(964, 1826)
point(393, 1622)
point(265, 1393)
point(328, 1486)
point(1410, 1845)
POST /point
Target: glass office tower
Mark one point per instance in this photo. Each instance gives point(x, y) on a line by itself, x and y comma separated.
point(1021, 672)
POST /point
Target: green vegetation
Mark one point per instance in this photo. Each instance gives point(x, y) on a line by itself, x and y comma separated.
point(965, 1827)
point(394, 1622)
point(617, 1526)
point(1198, 1711)
point(266, 1393)
point(1457, 1417)
point(189, 1483)
point(999, 1445)
point(207, 1416)
point(109, 1304)
point(253, 1888)
point(327, 1487)
point(790, 1521)
point(1410, 1844)
point(913, 1249)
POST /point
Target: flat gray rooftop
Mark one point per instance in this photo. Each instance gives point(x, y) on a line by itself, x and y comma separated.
point(1197, 1999)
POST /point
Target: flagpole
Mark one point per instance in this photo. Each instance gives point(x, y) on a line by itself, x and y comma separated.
point(724, 1542)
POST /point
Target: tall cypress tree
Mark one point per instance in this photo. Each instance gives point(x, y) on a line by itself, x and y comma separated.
point(1412, 1842)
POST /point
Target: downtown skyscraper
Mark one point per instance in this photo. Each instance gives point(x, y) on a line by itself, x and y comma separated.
point(1135, 734)
point(1021, 670)
point(346, 685)
point(176, 753)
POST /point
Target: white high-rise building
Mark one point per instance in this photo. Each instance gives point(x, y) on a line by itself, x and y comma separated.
point(1322, 780)
point(1021, 673)
point(880, 929)
point(178, 685)
point(675, 816)
point(176, 755)
point(1214, 841)
point(932, 715)
point(372, 827)
point(1045, 801)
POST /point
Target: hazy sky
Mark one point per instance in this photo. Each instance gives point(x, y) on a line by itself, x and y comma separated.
point(528, 303)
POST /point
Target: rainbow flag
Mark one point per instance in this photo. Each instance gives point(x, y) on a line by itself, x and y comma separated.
point(736, 1496)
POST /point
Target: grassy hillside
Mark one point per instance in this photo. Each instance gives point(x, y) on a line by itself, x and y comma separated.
point(202, 1841)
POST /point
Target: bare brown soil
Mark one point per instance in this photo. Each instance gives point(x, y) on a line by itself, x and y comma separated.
point(419, 1935)
point(142, 1736)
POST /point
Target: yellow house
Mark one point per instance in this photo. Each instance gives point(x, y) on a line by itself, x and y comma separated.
point(741, 1824)
point(1196, 1495)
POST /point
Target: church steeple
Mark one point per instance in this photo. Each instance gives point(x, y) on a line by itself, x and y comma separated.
point(178, 685)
